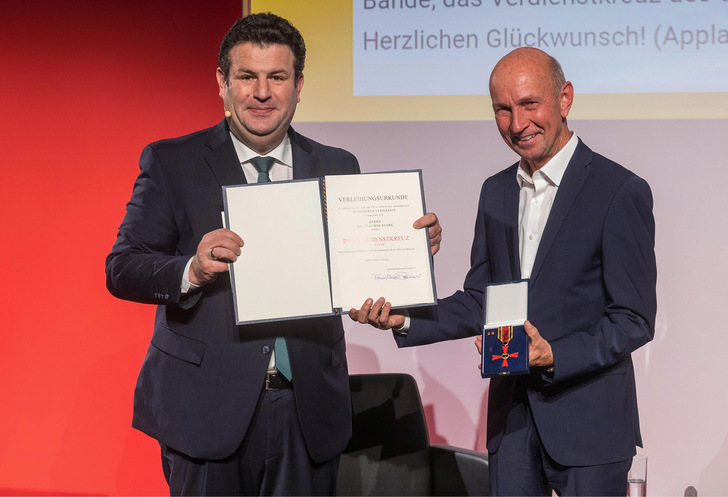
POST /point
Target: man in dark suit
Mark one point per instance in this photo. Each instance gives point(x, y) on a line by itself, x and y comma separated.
point(580, 228)
point(229, 418)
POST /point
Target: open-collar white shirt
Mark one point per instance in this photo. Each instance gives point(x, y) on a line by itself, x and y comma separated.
point(535, 201)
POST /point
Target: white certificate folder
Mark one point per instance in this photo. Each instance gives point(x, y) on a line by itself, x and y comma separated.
point(319, 247)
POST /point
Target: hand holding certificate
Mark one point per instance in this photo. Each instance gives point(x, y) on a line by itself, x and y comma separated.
point(313, 247)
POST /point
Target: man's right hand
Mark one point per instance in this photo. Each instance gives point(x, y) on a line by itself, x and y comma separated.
point(216, 250)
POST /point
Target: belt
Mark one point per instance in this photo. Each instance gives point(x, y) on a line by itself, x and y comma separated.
point(274, 380)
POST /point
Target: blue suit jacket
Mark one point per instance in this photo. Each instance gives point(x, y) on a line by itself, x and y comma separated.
point(591, 295)
point(202, 375)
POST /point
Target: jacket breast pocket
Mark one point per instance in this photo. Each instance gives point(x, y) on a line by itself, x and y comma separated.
point(179, 346)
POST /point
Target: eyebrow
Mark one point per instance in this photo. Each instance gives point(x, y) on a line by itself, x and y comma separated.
point(242, 70)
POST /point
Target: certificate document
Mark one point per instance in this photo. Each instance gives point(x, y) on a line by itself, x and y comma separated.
point(319, 247)
point(375, 252)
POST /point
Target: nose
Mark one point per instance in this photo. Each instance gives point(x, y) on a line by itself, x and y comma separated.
point(519, 121)
point(261, 89)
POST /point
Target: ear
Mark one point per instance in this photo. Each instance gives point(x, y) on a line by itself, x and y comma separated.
point(567, 98)
point(221, 82)
point(299, 87)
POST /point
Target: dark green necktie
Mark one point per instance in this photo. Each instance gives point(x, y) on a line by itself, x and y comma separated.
point(283, 364)
point(263, 165)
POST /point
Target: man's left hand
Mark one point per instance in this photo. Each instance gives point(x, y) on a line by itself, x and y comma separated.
point(434, 230)
point(539, 350)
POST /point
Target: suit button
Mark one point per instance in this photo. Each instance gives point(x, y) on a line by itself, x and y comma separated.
point(265, 349)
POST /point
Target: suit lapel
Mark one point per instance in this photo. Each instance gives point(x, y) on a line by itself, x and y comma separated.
point(305, 165)
point(221, 157)
point(576, 173)
point(223, 161)
point(510, 208)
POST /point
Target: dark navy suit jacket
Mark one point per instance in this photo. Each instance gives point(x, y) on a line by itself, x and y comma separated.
point(202, 375)
point(591, 296)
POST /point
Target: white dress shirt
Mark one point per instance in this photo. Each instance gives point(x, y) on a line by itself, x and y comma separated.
point(280, 171)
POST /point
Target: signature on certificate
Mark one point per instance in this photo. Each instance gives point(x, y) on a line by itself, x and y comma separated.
point(398, 275)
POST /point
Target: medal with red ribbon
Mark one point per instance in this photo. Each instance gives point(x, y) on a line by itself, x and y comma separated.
point(505, 333)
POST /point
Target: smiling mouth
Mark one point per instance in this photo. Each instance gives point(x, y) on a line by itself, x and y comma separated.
point(523, 139)
point(261, 111)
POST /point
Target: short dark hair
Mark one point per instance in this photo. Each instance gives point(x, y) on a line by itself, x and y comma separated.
point(263, 30)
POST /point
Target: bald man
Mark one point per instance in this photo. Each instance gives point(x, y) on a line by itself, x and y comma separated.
point(580, 228)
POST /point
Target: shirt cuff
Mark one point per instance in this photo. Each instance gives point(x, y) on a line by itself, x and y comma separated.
point(403, 330)
point(187, 286)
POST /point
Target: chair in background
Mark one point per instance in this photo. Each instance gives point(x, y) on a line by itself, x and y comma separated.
point(390, 453)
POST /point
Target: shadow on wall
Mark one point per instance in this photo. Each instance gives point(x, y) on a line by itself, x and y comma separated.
point(360, 358)
point(436, 396)
point(481, 429)
point(713, 480)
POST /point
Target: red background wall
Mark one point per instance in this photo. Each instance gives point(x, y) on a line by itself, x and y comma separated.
point(83, 87)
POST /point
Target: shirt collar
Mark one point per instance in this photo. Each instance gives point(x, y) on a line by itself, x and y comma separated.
point(282, 153)
point(553, 170)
